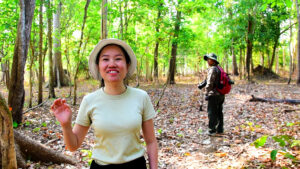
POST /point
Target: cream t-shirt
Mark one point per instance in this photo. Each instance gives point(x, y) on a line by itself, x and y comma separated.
point(117, 122)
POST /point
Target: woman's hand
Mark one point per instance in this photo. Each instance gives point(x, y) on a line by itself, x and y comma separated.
point(62, 111)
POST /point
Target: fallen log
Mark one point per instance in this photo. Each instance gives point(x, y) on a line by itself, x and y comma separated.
point(29, 148)
point(272, 100)
point(39, 152)
point(16, 148)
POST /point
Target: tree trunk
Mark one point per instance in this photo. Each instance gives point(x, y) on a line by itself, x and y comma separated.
point(298, 47)
point(234, 64)
point(262, 59)
point(241, 63)
point(249, 45)
point(58, 68)
point(51, 73)
point(32, 59)
point(4, 68)
point(276, 39)
point(172, 67)
point(121, 19)
point(40, 93)
point(126, 19)
point(16, 90)
point(290, 53)
point(155, 63)
point(78, 51)
point(277, 63)
point(104, 20)
point(7, 145)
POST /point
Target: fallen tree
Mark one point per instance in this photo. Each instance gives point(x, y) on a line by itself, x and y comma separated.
point(272, 100)
point(25, 147)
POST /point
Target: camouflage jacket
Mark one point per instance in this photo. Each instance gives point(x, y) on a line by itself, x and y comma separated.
point(213, 75)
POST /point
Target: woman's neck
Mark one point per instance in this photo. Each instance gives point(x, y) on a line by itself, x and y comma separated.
point(114, 89)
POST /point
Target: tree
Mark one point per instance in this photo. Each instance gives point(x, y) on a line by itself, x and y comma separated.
point(40, 93)
point(16, 89)
point(298, 47)
point(59, 76)
point(7, 145)
point(104, 20)
point(172, 67)
point(157, 26)
point(51, 74)
point(78, 51)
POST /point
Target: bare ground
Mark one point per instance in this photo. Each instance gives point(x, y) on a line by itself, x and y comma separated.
point(181, 127)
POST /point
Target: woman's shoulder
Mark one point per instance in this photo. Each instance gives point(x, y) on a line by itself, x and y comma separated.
point(137, 91)
point(92, 95)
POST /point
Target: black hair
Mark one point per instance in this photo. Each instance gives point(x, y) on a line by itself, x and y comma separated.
point(127, 58)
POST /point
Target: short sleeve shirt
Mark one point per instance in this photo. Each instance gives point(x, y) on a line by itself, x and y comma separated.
point(117, 122)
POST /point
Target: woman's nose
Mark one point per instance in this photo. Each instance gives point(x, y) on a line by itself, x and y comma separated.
point(111, 63)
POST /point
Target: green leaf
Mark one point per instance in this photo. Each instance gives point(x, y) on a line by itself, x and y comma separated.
point(37, 129)
point(279, 140)
point(295, 143)
point(44, 124)
point(288, 155)
point(260, 142)
point(57, 122)
point(273, 154)
point(288, 3)
point(15, 124)
point(290, 124)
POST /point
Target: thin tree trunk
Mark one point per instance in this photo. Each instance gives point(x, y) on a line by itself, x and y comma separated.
point(44, 58)
point(31, 72)
point(51, 73)
point(298, 47)
point(104, 20)
point(249, 45)
point(16, 90)
point(234, 64)
point(121, 20)
point(58, 68)
point(274, 52)
point(157, 26)
point(277, 62)
point(40, 92)
point(172, 68)
point(78, 51)
point(7, 143)
point(290, 53)
point(262, 58)
point(126, 19)
point(241, 63)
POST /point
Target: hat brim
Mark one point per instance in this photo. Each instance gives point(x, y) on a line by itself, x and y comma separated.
point(93, 56)
point(207, 57)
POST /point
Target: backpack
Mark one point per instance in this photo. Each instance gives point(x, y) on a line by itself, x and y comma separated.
point(224, 84)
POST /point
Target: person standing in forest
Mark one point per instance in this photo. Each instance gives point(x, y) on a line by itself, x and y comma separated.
point(116, 112)
point(215, 99)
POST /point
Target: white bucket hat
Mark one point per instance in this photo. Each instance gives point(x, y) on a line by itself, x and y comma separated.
point(93, 56)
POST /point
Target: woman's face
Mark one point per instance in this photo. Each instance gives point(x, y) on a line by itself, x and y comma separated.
point(210, 62)
point(112, 64)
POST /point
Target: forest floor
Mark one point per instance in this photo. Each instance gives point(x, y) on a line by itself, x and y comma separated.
point(181, 127)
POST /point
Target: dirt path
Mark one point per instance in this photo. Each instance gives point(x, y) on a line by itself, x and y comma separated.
point(181, 127)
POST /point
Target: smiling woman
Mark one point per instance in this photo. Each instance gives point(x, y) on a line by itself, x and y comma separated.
point(117, 145)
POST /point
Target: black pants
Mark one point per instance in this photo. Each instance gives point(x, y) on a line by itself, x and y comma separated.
point(215, 113)
point(139, 163)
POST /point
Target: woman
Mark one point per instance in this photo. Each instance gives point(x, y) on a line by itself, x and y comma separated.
point(116, 112)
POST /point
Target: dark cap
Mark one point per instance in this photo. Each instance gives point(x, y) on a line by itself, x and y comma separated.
point(211, 56)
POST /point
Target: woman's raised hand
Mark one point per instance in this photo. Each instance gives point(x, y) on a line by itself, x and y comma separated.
point(62, 111)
